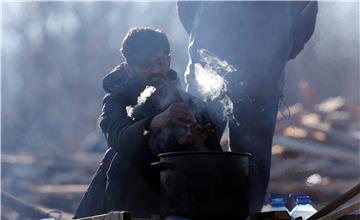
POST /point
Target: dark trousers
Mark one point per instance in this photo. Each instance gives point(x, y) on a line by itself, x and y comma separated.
point(256, 117)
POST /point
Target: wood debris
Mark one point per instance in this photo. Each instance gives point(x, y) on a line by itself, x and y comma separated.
point(315, 151)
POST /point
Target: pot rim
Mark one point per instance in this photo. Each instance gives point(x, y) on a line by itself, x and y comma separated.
point(174, 153)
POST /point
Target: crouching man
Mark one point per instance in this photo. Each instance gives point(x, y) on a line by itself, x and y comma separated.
point(144, 113)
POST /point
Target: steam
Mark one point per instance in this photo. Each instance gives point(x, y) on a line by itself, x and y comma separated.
point(220, 66)
point(144, 95)
point(211, 82)
point(141, 99)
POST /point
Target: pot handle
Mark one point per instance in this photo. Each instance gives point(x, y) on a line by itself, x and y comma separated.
point(162, 165)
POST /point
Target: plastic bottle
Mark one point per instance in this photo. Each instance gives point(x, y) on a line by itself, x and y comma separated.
point(303, 208)
point(278, 204)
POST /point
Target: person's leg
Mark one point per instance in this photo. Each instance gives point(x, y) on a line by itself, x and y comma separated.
point(256, 117)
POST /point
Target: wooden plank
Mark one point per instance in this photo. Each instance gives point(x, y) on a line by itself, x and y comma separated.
point(335, 152)
point(28, 210)
point(336, 136)
point(283, 167)
point(337, 202)
point(340, 213)
point(24, 209)
point(117, 215)
point(62, 189)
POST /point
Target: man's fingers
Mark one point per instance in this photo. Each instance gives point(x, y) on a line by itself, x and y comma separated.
point(180, 123)
point(183, 110)
point(187, 118)
point(181, 106)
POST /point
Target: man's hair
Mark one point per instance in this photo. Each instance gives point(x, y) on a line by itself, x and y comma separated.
point(140, 44)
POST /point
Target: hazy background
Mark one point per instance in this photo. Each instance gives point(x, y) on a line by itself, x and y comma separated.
point(54, 55)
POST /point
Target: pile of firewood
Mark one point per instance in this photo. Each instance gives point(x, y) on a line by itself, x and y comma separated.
point(316, 150)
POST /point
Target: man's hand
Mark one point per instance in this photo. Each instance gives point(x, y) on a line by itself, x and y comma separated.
point(177, 114)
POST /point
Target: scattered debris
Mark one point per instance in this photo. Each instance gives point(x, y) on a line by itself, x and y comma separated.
point(315, 151)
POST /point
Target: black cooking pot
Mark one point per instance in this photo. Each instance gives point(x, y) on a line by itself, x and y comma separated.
point(204, 185)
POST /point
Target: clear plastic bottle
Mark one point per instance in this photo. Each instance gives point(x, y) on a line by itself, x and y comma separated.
point(303, 208)
point(278, 204)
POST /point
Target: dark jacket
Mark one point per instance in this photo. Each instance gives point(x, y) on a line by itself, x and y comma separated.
point(125, 179)
point(256, 37)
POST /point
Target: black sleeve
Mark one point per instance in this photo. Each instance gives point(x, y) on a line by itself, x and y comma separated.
point(125, 135)
point(304, 27)
point(93, 201)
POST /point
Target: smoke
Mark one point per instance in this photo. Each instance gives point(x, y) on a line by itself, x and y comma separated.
point(211, 82)
point(141, 99)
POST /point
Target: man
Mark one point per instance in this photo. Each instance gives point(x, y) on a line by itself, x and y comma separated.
point(144, 113)
point(256, 39)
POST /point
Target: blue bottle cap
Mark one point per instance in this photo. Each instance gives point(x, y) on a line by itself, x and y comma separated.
point(277, 202)
point(303, 200)
point(294, 195)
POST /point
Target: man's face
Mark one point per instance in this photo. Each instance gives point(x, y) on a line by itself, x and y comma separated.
point(157, 65)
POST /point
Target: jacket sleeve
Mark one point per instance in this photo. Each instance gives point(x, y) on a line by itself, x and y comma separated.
point(303, 27)
point(126, 136)
point(93, 201)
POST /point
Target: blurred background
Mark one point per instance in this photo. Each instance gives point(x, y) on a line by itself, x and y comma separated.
point(55, 54)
